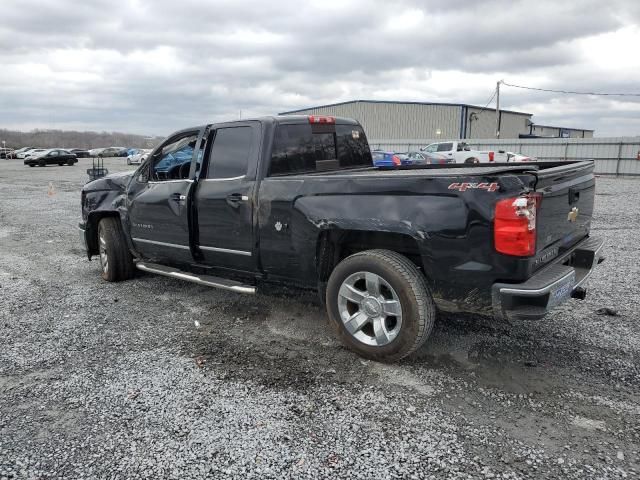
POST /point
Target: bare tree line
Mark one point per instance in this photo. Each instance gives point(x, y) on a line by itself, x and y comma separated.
point(74, 139)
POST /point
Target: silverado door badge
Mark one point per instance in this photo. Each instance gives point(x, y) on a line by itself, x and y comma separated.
point(573, 214)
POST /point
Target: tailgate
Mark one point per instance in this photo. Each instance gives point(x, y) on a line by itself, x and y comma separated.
point(564, 215)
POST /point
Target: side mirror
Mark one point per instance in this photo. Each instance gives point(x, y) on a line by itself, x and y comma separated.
point(422, 149)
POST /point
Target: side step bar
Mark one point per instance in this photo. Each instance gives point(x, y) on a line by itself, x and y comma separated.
point(206, 280)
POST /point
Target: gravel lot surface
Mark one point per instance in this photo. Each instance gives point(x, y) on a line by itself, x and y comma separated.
point(156, 378)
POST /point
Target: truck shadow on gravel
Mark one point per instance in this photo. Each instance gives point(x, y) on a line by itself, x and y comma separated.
point(285, 342)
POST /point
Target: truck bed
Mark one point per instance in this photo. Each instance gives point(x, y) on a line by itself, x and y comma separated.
point(451, 170)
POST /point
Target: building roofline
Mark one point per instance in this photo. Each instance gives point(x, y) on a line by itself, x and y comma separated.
point(394, 102)
point(562, 128)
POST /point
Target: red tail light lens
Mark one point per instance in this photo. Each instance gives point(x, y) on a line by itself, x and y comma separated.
point(321, 119)
point(514, 225)
point(492, 156)
point(396, 160)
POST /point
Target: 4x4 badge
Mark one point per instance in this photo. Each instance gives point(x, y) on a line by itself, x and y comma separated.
point(573, 214)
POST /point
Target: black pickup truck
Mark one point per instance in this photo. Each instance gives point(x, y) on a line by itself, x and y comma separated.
point(295, 200)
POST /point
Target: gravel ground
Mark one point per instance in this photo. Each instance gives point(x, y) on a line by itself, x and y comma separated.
point(156, 378)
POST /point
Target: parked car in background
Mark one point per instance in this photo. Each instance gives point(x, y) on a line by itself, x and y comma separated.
point(422, 158)
point(139, 156)
point(518, 157)
point(19, 151)
point(53, 156)
point(388, 159)
point(113, 152)
point(29, 153)
point(6, 152)
point(80, 153)
point(94, 152)
point(460, 152)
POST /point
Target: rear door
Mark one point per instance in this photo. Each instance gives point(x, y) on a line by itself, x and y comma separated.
point(158, 201)
point(223, 199)
point(564, 215)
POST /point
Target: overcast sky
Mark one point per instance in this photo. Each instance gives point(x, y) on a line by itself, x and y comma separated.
point(152, 67)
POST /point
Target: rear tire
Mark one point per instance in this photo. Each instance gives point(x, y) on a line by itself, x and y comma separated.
point(116, 261)
point(61, 163)
point(379, 304)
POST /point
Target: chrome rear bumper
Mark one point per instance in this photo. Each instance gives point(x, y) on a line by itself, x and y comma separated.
point(549, 287)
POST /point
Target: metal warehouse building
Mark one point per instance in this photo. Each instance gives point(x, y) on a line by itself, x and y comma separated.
point(401, 121)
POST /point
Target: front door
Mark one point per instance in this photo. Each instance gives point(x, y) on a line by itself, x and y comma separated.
point(223, 199)
point(159, 201)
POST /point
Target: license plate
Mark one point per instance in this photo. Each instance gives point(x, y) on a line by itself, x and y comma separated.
point(562, 292)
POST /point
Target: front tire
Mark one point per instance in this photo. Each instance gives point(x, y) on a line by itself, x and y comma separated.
point(116, 261)
point(379, 304)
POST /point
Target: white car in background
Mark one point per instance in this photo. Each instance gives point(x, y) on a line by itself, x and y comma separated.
point(138, 157)
point(518, 157)
point(32, 152)
point(94, 152)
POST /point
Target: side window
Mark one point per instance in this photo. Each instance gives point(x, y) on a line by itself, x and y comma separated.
point(432, 148)
point(174, 161)
point(53, 153)
point(445, 147)
point(230, 152)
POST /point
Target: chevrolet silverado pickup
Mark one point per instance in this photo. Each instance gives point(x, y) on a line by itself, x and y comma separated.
point(296, 201)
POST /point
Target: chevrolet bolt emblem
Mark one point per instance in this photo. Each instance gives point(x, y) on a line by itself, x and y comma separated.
point(573, 214)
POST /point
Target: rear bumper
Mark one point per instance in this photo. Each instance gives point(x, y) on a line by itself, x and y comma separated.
point(549, 287)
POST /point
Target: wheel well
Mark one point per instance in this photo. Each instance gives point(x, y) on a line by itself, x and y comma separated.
point(92, 228)
point(335, 245)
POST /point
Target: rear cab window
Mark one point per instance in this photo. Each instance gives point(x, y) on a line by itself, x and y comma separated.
point(306, 148)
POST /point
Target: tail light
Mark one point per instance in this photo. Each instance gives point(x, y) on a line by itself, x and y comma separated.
point(321, 119)
point(396, 160)
point(514, 225)
point(492, 156)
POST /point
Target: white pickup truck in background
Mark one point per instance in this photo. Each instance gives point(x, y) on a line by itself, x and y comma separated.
point(460, 152)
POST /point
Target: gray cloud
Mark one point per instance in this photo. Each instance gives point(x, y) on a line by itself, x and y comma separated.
point(152, 67)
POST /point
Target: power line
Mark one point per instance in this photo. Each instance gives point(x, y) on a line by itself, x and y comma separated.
point(490, 100)
point(572, 92)
point(484, 109)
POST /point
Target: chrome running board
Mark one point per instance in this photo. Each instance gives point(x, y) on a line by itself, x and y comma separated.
point(206, 280)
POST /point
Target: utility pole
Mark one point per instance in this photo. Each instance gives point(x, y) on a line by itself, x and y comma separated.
point(498, 109)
